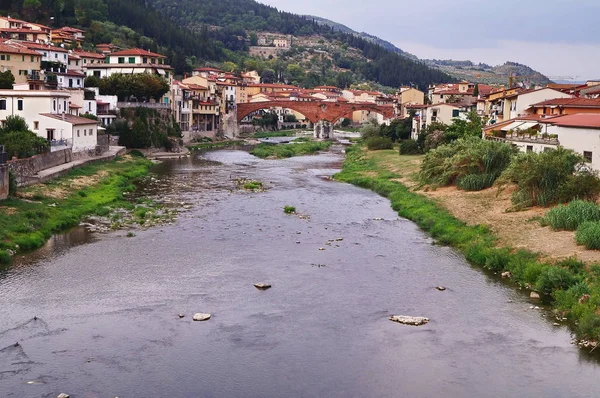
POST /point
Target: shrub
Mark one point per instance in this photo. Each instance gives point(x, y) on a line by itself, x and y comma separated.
point(572, 264)
point(289, 209)
point(497, 260)
point(588, 235)
point(12, 184)
point(476, 182)
point(549, 177)
point(136, 154)
point(409, 147)
point(554, 278)
point(4, 257)
point(448, 164)
point(589, 325)
point(569, 217)
point(379, 143)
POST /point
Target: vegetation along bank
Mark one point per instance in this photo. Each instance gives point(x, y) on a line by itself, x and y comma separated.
point(30, 217)
point(572, 286)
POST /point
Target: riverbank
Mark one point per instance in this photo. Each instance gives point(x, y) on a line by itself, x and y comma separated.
point(573, 289)
point(28, 220)
point(266, 151)
point(215, 144)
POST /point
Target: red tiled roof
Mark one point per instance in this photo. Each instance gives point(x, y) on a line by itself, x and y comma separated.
point(69, 30)
point(267, 85)
point(16, 49)
point(44, 47)
point(570, 102)
point(206, 69)
point(137, 51)
point(589, 120)
point(71, 73)
point(74, 106)
point(89, 54)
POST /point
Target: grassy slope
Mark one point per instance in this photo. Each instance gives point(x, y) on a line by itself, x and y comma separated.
point(564, 282)
point(28, 223)
point(287, 151)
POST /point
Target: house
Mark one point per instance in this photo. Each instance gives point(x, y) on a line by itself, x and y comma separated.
point(579, 132)
point(408, 95)
point(30, 103)
point(23, 63)
point(50, 53)
point(565, 106)
point(85, 58)
point(131, 61)
point(205, 104)
point(181, 104)
point(70, 79)
point(247, 91)
point(106, 49)
point(251, 77)
point(79, 133)
point(425, 115)
point(67, 36)
point(11, 28)
point(505, 104)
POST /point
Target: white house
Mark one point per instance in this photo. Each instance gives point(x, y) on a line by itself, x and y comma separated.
point(427, 114)
point(524, 100)
point(79, 133)
point(30, 103)
point(70, 79)
point(50, 53)
point(131, 61)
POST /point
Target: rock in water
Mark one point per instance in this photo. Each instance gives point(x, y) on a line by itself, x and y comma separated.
point(409, 320)
point(534, 295)
point(63, 395)
point(201, 317)
point(441, 288)
point(506, 274)
point(181, 315)
point(262, 286)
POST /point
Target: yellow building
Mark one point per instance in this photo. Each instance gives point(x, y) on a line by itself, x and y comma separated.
point(17, 29)
point(23, 63)
point(409, 95)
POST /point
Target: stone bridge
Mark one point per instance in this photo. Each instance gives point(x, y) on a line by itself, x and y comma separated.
point(317, 111)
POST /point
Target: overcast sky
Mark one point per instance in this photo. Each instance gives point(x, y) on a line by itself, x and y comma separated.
point(555, 37)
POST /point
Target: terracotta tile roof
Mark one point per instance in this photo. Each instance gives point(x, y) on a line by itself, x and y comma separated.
point(16, 49)
point(267, 85)
point(525, 118)
point(89, 54)
point(582, 120)
point(137, 51)
point(556, 86)
point(44, 47)
point(569, 102)
point(68, 29)
point(75, 120)
point(71, 73)
point(206, 69)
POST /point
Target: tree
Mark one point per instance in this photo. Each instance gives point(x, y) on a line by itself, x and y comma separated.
point(253, 39)
point(92, 81)
point(229, 66)
point(268, 76)
point(7, 80)
point(476, 91)
point(460, 128)
point(30, 8)
point(346, 122)
point(294, 73)
point(17, 138)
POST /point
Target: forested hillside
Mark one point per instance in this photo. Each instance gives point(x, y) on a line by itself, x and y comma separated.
point(194, 32)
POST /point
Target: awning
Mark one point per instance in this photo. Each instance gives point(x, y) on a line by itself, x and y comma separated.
point(160, 71)
point(511, 126)
point(127, 70)
point(139, 70)
point(528, 125)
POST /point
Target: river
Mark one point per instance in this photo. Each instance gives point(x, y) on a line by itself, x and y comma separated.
point(107, 305)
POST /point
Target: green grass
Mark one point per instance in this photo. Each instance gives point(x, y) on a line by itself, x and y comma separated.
point(569, 217)
point(216, 144)
point(562, 282)
point(268, 134)
point(253, 185)
point(588, 235)
point(27, 224)
point(289, 209)
point(288, 150)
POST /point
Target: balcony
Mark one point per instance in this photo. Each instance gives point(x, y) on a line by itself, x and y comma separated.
point(34, 76)
point(152, 105)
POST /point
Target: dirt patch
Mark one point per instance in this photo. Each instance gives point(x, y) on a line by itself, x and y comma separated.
point(84, 181)
point(520, 230)
point(7, 210)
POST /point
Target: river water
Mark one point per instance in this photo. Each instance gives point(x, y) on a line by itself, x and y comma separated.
point(108, 305)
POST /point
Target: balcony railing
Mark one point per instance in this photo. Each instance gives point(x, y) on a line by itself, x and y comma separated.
point(153, 105)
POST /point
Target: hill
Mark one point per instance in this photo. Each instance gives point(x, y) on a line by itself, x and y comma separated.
point(483, 73)
point(374, 39)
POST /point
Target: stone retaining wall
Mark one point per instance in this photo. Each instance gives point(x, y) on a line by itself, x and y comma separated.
point(26, 169)
point(4, 181)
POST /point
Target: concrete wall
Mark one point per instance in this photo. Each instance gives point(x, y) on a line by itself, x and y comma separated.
point(3, 181)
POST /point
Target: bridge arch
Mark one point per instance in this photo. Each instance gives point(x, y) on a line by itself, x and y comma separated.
point(315, 111)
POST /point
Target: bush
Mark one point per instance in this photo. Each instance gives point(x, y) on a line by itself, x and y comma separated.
point(346, 122)
point(379, 143)
point(589, 325)
point(12, 184)
point(550, 177)
point(448, 164)
point(4, 257)
point(569, 217)
point(588, 235)
point(554, 278)
point(409, 147)
point(476, 182)
point(289, 209)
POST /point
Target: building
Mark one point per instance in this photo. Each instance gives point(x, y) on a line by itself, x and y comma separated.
point(578, 132)
point(84, 59)
point(23, 63)
point(70, 79)
point(11, 28)
point(425, 115)
point(131, 61)
point(506, 104)
point(205, 104)
point(106, 49)
point(406, 96)
point(246, 91)
point(565, 106)
point(79, 133)
point(50, 53)
point(67, 36)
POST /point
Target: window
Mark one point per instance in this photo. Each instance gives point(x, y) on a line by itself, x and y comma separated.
point(145, 60)
point(2, 104)
point(84, 132)
point(8, 57)
point(64, 106)
point(56, 56)
point(23, 58)
point(121, 60)
point(132, 60)
point(36, 125)
point(54, 105)
point(454, 112)
point(2, 57)
point(78, 133)
point(45, 54)
point(587, 156)
point(33, 58)
point(91, 132)
point(20, 105)
point(529, 148)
